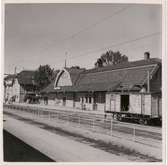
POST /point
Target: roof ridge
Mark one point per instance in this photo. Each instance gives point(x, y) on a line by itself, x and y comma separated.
point(128, 64)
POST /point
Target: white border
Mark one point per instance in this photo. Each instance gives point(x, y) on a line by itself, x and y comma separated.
point(164, 98)
point(86, 1)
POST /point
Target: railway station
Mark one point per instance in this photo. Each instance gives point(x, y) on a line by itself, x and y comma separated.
point(131, 89)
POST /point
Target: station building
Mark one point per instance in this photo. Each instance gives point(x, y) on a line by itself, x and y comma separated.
point(130, 86)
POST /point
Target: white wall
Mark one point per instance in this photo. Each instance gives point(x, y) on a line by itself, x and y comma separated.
point(117, 104)
point(13, 91)
point(51, 102)
point(100, 106)
point(58, 102)
point(135, 103)
point(113, 102)
point(147, 105)
point(108, 96)
point(69, 103)
point(16, 90)
point(78, 104)
point(64, 79)
point(89, 106)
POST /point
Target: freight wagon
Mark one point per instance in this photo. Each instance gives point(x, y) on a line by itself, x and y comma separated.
point(142, 108)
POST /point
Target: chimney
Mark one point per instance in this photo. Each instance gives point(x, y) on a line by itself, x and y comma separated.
point(147, 55)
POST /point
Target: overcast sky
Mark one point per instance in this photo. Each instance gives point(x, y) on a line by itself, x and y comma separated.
point(43, 33)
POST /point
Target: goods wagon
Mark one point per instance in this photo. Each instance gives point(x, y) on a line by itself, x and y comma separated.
point(141, 108)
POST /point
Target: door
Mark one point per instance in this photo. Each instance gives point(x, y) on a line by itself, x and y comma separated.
point(64, 101)
point(124, 102)
point(142, 104)
point(154, 106)
point(112, 103)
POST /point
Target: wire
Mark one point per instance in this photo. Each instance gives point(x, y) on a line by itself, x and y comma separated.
point(118, 44)
point(93, 25)
point(96, 23)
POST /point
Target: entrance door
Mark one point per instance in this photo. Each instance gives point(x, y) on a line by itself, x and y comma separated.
point(124, 102)
point(64, 101)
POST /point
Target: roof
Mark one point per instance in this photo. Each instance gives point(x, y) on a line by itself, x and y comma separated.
point(128, 77)
point(10, 76)
point(9, 80)
point(74, 73)
point(26, 77)
point(126, 65)
point(125, 76)
point(49, 88)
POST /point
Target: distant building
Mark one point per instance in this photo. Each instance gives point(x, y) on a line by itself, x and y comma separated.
point(130, 87)
point(16, 86)
point(11, 88)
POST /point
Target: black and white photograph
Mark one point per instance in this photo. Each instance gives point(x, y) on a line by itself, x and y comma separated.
point(82, 82)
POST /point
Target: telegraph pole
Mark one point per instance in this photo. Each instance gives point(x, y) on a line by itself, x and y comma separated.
point(65, 63)
point(15, 69)
point(148, 81)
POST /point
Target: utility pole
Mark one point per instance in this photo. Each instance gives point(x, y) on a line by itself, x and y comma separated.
point(148, 81)
point(15, 69)
point(65, 63)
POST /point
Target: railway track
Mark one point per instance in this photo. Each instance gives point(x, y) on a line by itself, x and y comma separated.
point(97, 121)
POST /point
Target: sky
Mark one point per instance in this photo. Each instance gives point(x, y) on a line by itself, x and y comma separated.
point(39, 34)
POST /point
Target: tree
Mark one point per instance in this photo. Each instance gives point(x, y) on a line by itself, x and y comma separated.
point(43, 76)
point(75, 67)
point(110, 58)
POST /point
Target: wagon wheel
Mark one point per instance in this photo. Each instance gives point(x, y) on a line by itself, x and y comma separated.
point(114, 117)
point(119, 117)
point(143, 121)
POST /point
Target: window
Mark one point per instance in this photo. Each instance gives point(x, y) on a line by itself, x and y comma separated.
point(90, 100)
point(86, 99)
point(100, 97)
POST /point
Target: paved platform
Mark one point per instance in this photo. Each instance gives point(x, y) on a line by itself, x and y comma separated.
point(57, 147)
point(78, 129)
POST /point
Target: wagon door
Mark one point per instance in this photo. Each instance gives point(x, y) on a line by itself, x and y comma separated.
point(142, 104)
point(154, 106)
point(112, 103)
point(147, 104)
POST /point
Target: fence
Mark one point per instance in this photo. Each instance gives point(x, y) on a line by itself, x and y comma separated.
point(94, 122)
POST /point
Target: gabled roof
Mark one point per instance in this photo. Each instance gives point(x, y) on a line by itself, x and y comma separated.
point(26, 77)
point(128, 64)
point(125, 76)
